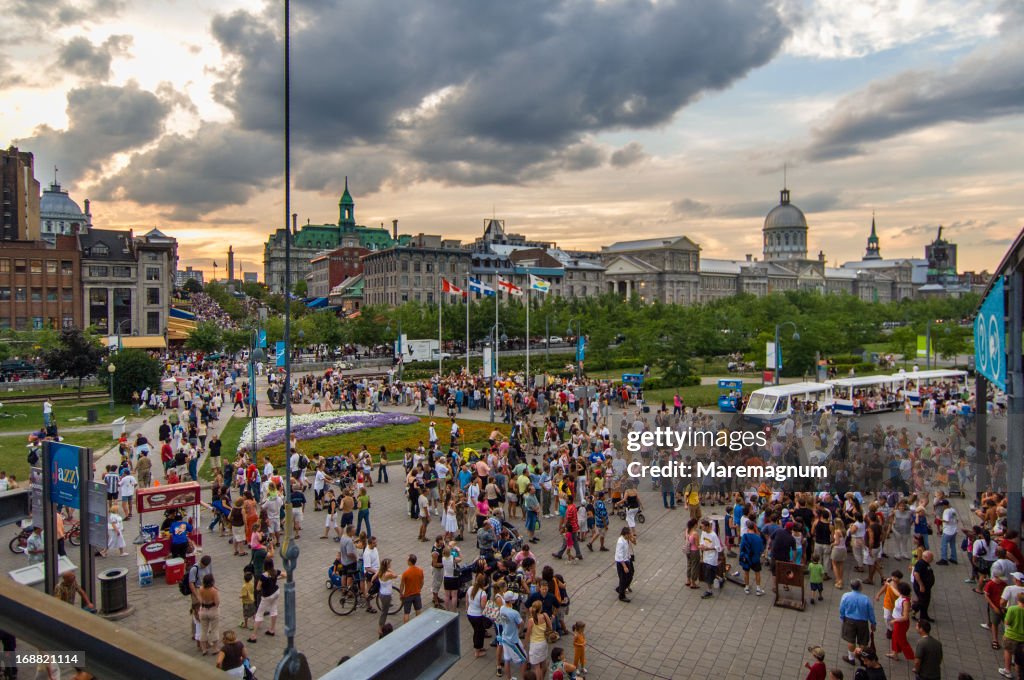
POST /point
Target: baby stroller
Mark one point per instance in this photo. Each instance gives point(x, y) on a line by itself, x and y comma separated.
point(335, 467)
point(954, 484)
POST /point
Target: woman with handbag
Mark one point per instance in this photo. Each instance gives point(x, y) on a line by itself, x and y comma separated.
point(539, 634)
point(384, 581)
point(476, 602)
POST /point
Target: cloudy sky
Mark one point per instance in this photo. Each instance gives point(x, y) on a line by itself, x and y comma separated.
point(578, 121)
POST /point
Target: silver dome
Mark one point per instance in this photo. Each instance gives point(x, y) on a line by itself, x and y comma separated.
point(56, 204)
point(785, 215)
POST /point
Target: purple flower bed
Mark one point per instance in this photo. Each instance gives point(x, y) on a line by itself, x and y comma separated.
point(315, 426)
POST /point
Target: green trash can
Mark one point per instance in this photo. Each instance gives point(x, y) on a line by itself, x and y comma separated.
point(92, 416)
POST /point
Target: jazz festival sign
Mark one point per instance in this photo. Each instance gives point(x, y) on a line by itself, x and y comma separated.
point(990, 336)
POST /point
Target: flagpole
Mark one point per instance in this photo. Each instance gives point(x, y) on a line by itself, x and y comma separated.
point(440, 341)
point(465, 298)
point(497, 296)
point(527, 383)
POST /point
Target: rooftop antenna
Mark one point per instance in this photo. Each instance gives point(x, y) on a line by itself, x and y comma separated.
point(784, 173)
point(55, 174)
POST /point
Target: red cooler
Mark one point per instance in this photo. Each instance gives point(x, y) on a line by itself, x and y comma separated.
point(174, 570)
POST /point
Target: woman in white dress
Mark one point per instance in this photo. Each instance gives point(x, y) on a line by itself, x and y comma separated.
point(450, 522)
point(115, 534)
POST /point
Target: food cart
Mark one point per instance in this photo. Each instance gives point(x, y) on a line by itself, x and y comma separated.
point(731, 398)
point(156, 550)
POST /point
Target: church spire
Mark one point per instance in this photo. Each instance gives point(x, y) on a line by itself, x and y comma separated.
point(347, 208)
point(873, 251)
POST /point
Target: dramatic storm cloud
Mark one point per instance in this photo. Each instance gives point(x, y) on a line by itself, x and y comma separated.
point(219, 166)
point(986, 84)
point(477, 93)
point(81, 57)
point(102, 120)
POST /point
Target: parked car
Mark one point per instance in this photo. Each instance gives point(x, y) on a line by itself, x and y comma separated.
point(555, 340)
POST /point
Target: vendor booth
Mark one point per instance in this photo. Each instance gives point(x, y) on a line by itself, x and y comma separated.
point(155, 555)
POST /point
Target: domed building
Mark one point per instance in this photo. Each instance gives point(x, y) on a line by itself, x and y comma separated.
point(59, 214)
point(785, 231)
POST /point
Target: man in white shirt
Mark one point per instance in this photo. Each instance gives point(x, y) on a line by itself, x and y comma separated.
point(710, 548)
point(47, 412)
point(127, 485)
point(623, 563)
point(950, 520)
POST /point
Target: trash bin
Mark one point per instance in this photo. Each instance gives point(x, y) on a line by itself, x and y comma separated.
point(113, 590)
point(117, 427)
point(91, 416)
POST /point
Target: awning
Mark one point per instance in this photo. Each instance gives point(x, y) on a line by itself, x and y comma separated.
point(142, 342)
point(176, 313)
point(317, 303)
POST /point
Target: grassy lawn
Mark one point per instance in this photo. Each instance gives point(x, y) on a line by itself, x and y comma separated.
point(68, 414)
point(13, 451)
point(695, 395)
point(26, 390)
point(395, 437)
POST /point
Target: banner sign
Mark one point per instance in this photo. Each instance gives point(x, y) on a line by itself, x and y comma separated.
point(64, 473)
point(160, 498)
point(990, 336)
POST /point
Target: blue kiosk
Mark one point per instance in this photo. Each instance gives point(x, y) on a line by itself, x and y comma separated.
point(731, 399)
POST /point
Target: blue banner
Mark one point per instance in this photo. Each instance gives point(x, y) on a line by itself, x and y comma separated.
point(280, 353)
point(65, 474)
point(580, 347)
point(261, 338)
point(990, 336)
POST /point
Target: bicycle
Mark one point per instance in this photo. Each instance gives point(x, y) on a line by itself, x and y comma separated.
point(343, 600)
point(621, 512)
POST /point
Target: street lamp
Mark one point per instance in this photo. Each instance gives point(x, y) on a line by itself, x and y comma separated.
point(579, 345)
point(778, 353)
point(120, 325)
point(111, 368)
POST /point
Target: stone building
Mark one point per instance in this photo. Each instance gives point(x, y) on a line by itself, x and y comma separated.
point(127, 282)
point(413, 271)
point(59, 214)
point(39, 284)
point(313, 239)
point(656, 269)
point(329, 269)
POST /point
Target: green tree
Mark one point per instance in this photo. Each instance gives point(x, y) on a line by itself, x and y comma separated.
point(77, 355)
point(192, 286)
point(952, 341)
point(205, 337)
point(135, 371)
point(235, 340)
point(903, 341)
point(301, 288)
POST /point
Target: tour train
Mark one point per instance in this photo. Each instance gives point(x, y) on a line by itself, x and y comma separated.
point(850, 396)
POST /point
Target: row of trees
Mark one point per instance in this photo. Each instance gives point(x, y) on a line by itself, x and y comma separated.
point(667, 336)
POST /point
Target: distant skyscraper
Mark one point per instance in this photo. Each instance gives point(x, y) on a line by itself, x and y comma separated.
point(231, 264)
point(19, 191)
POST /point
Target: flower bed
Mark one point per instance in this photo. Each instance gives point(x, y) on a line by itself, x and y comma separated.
point(270, 431)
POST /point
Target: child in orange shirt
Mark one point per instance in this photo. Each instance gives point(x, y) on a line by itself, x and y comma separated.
point(579, 647)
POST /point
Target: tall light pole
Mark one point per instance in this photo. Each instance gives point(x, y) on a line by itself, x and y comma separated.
point(579, 345)
point(494, 338)
point(111, 368)
point(399, 350)
point(293, 664)
point(490, 392)
point(778, 353)
point(120, 325)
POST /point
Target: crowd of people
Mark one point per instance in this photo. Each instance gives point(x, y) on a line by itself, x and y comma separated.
point(881, 521)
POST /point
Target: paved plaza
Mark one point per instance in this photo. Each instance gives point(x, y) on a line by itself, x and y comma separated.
point(667, 631)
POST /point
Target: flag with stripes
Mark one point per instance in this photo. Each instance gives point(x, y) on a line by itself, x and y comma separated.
point(539, 284)
point(509, 287)
point(449, 287)
point(479, 287)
